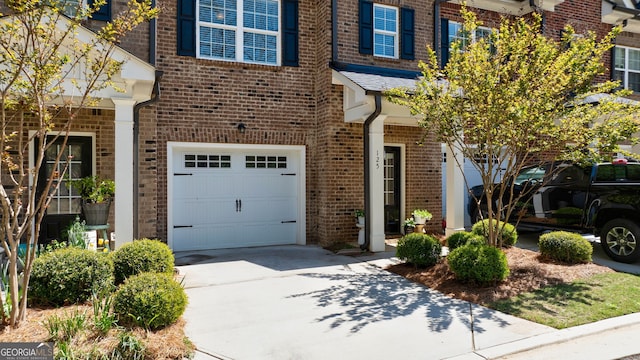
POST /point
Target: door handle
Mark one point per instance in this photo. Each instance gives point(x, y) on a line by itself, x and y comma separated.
point(240, 201)
point(237, 206)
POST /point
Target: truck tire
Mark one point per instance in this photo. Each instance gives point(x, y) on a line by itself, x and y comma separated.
point(620, 240)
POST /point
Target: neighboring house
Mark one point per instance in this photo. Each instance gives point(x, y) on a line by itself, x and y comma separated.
point(268, 111)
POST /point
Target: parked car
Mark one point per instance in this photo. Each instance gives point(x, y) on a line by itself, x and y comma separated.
point(601, 199)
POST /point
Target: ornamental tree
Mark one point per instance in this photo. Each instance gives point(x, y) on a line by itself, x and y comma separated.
point(520, 98)
point(47, 75)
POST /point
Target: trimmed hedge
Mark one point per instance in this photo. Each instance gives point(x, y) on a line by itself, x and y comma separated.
point(140, 256)
point(149, 300)
point(482, 264)
point(69, 276)
point(507, 235)
point(419, 249)
point(565, 246)
point(461, 238)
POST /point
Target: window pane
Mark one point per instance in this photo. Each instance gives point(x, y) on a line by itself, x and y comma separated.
point(218, 12)
point(634, 59)
point(634, 82)
point(260, 48)
point(217, 43)
point(619, 55)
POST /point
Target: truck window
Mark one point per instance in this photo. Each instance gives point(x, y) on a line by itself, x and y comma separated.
point(610, 172)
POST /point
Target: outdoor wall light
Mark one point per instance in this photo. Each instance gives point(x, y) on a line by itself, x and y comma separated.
point(241, 128)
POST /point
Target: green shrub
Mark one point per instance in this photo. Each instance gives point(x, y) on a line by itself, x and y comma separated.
point(479, 263)
point(142, 256)
point(419, 249)
point(149, 300)
point(70, 275)
point(507, 235)
point(461, 238)
point(565, 246)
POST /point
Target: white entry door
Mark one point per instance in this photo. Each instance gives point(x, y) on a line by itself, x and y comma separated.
point(233, 198)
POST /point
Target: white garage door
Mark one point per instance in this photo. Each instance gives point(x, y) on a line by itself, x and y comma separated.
point(227, 199)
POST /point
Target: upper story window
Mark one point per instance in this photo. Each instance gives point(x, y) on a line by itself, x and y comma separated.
point(239, 30)
point(627, 67)
point(385, 31)
point(457, 33)
point(71, 8)
point(248, 31)
point(452, 31)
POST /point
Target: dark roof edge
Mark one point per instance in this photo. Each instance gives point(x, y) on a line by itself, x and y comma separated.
point(374, 70)
point(624, 9)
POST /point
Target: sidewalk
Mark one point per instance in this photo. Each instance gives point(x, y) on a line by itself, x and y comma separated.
point(302, 302)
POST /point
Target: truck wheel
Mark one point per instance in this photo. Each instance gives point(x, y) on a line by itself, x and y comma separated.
point(620, 240)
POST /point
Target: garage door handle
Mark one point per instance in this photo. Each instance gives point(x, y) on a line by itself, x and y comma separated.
point(182, 226)
point(182, 174)
point(238, 205)
point(287, 221)
point(288, 174)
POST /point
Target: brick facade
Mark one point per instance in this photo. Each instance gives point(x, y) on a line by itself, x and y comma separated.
point(204, 100)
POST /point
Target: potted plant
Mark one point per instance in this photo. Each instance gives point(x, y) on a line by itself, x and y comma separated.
point(421, 216)
point(96, 194)
point(409, 225)
point(359, 213)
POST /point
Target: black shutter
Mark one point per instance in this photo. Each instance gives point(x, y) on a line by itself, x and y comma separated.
point(366, 27)
point(444, 42)
point(187, 27)
point(102, 14)
point(290, 32)
point(407, 34)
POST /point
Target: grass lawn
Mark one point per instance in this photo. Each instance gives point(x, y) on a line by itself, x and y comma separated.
point(583, 301)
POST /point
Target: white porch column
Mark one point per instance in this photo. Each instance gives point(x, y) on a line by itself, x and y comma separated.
point(376, 184)
point(455, 191)
point(124, 170)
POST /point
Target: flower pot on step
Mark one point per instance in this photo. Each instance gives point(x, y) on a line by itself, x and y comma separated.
point(96, 213)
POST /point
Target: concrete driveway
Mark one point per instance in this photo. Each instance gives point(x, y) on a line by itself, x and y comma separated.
point(303, 302)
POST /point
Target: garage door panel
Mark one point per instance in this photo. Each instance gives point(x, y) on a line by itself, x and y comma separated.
point(267, 234)
point(200, 237)
point(199, 211)
point(280, 209)
point(273, 184)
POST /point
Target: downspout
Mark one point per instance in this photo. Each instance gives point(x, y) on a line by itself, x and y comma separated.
point(334, 30)
point(367, 171)
point(437, 30)
point(155, 95)
point(152, 37)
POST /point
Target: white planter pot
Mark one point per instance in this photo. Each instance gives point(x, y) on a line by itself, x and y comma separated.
point(419, 220)
point(361, 220)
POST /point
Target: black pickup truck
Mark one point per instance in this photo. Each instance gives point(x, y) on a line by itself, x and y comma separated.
point(602, 199)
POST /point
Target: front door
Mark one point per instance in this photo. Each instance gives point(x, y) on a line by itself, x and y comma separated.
point(66, 203)
point(392, 181)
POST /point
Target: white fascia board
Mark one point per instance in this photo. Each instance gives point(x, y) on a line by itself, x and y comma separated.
point(354, 94)
point(612, 15)
point(512, 7)
point(633, 26)
point(548, 5)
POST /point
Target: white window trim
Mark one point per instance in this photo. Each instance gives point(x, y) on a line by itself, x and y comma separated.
point(240, 30)
point(625, 70)
point(395, 34)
